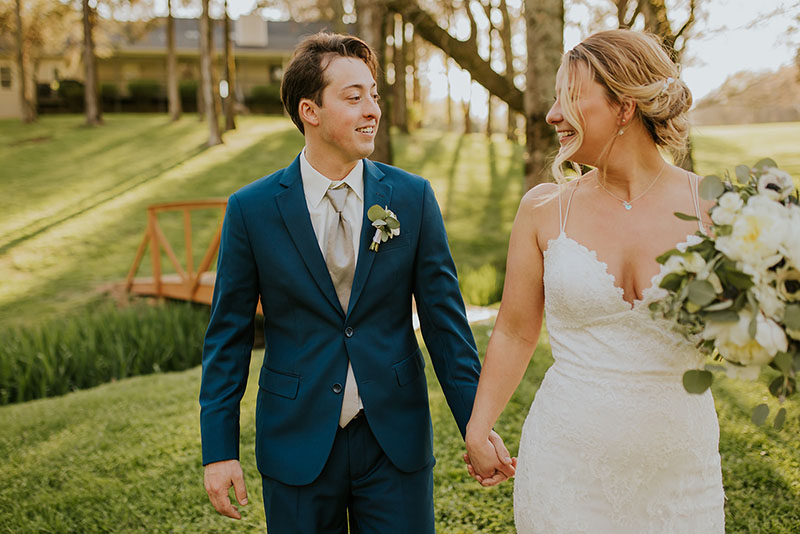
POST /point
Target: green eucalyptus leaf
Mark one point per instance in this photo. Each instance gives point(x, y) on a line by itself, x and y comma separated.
point(777, 386)
point(711, 187)
point(797, 362)
point(671, 282)
point(783, 362)
point(743, 173)
point(760, 413)
point(665, 256)
point(701, 292)
point(722, 316)
point(780, 419)
point(697, 380)
point(791, 316)
point(685, 217)
point(752, 328)
point(764, 163)
point(376, 212)
point(392, 223)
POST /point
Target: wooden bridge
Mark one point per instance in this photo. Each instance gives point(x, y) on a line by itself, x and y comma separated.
point(197, 285)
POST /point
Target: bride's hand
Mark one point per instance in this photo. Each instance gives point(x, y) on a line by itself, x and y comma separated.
point(488, 460)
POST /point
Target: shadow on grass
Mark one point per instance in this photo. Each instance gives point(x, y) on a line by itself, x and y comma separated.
point(106, 255)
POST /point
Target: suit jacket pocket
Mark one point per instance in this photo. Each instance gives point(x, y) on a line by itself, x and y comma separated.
point(393, 243)
point(282, 384)
point(409, 369)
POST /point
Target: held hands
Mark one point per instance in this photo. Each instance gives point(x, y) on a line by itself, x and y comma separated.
point(219, 477)
point(488, 460)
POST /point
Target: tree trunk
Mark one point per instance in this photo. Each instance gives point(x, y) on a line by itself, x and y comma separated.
point(545, 30)
point(416, 94)
point(230, 75)
point(206, 47)
point(466, 104)
point(489, 96)
point(93, 114)
point(505, 37)
point(26, 106)
point(372, 27)
point(400, 105)
point(338, 16)
point(448, 98)
point(173, 96)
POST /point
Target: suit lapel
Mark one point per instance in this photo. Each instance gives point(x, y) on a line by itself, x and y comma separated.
point(375, 192)
point(294, 211)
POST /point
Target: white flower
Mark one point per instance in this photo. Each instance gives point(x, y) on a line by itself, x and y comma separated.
point(726, 209)
point(691, 241)
point(734, 343)
point(713, 279)
point(745, 372)
point(788, 281)
point(769, 301)
point(690, 262)
point(775, 184)
point(791, 240)
point(758, 233)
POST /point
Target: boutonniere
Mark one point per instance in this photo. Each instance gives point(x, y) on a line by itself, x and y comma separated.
point(386, 225)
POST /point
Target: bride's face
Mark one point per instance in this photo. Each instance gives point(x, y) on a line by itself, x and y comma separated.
point(584, 117)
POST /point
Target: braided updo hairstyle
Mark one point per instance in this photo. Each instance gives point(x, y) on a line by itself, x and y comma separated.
point(633, 65)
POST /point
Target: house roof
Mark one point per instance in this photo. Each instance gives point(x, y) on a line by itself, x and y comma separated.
point(282, 36)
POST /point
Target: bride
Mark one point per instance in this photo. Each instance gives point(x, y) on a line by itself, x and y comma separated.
point(613, 443)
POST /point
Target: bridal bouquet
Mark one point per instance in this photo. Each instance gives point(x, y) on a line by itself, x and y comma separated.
point(736, 291)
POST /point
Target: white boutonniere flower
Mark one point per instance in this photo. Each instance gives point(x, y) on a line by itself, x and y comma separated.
point(386, 225)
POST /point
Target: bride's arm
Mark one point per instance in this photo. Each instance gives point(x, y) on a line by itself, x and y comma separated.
point(515, 332)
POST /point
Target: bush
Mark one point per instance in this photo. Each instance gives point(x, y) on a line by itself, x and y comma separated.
point(95, 346)
point(482, 286)
point(109, 96)
point(72, 94)
point(188, 94)
point(144, 94)
point(265, 99)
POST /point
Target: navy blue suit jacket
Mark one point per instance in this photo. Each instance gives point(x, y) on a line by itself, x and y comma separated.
point(269, 249)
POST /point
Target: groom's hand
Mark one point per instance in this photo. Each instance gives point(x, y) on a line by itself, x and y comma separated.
point(488, 460)
point(219, 477)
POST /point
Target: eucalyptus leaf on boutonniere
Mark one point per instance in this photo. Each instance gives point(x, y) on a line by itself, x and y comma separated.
point(386, 225)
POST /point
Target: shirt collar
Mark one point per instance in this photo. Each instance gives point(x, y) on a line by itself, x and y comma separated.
point(316, 184)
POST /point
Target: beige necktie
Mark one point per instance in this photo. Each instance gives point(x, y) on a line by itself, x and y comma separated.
point(341, 260)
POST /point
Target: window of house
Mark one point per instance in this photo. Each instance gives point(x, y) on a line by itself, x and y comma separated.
point(5, 77)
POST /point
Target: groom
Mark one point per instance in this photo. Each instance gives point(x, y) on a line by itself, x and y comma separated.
point(343, 428)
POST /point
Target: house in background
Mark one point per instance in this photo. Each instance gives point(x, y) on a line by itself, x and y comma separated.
point(261, 48)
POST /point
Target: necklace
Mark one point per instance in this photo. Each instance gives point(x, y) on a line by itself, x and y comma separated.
point(627, 203)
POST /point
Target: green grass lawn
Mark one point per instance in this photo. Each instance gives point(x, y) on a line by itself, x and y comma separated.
point(125, 456)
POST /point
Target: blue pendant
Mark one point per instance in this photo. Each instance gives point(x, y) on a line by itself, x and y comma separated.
point(626, 205)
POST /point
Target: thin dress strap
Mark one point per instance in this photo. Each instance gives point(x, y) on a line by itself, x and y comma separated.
point(569, 202)
point(693, 187)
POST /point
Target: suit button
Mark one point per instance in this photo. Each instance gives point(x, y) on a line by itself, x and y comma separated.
point(349, 331)
point(337, 388)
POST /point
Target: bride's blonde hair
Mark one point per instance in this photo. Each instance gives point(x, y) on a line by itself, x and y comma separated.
point(628, 64)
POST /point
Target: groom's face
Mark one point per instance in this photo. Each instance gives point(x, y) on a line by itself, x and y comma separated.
point(347, 119)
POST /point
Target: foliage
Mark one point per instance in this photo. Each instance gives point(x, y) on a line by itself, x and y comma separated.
point(144, 91)
point(95, 346)
point(736, 291)
point(187, 89)
point(265, 99)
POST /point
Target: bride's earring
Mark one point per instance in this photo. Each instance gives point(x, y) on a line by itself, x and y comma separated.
point(621, 128)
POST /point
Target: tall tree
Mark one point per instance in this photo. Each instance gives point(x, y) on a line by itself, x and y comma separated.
point(230, 75)
point(25, 97)
point(373, 27)
point(505, 38)
point(545, 31)
point(92, 106)
point(173, 97)
point(400, 104)
point(207, 77)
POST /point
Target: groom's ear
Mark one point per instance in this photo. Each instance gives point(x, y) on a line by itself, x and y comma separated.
point(307, 109)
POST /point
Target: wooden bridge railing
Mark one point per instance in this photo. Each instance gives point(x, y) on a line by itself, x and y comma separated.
point(188, 283)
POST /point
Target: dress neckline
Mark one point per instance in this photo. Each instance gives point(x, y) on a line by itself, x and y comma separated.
point(630, 306)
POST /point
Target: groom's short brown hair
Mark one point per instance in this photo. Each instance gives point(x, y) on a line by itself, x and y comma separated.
point(305, 73)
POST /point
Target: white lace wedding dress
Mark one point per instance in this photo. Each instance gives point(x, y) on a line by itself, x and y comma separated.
point(613, 444)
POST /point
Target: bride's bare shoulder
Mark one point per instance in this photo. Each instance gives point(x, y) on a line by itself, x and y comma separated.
point(541, 197)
